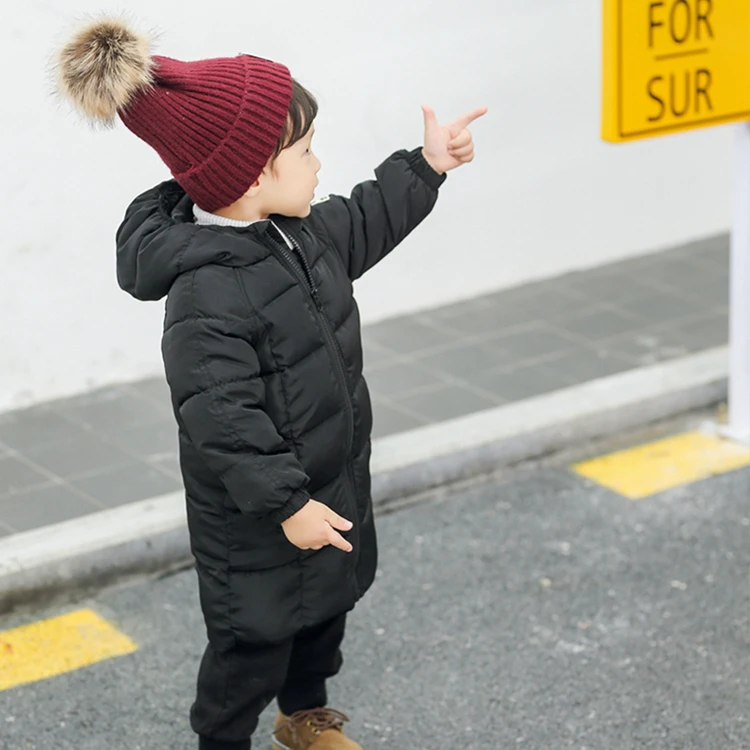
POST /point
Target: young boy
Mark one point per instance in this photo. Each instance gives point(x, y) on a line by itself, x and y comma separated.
point(263, 358)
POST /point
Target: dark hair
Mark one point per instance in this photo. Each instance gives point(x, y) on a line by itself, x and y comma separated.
point(303, 109)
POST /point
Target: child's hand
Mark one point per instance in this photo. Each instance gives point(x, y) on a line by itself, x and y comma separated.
point(448, 146)
point(314, 527)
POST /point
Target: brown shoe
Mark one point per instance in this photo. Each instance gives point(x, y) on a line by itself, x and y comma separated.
point(319, 729)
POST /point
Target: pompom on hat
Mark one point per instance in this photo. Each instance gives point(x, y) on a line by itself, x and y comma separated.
point(215, 123)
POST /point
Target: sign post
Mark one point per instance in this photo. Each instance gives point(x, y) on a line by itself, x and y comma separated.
point(738, 427)
point(676, 65)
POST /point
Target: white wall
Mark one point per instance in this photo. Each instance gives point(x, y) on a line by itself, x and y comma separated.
point(545, 194)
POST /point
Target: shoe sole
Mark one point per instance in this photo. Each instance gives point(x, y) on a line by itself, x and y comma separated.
point(276, 745)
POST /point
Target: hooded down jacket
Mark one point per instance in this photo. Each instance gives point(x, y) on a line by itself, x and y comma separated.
point(263, 357)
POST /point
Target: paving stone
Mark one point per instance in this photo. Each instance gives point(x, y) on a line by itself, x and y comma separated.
point(661, 308)
point(116, 407)
point(44, 506)
point(148, 442)
point(463, 361)
point(533, 343)
point(519, 384)
point(602, 324)
point(30, 428)
point(401, 378)
point(407, 336)
point(388, 420)
point(448, 402)
point(81, 454)
point(15, 476)
point(127, 484)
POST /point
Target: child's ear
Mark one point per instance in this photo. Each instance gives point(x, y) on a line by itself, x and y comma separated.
point(254, 189)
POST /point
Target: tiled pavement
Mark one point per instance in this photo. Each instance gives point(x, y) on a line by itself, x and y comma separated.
point(67, 458)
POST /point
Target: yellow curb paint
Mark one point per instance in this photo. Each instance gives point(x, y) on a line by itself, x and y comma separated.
point(53, 647)
point(648, 469)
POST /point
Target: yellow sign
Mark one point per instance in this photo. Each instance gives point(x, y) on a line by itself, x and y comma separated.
point(672, 65)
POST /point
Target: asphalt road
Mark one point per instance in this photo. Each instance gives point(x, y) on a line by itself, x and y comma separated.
point(535, 611)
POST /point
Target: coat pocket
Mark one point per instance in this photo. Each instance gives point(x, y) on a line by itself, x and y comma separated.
point(257, 545)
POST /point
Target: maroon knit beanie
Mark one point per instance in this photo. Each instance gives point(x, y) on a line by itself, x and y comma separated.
point(215, 123)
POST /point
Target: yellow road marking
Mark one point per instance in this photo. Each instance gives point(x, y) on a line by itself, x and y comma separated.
point(676, 461)
point(62, 644)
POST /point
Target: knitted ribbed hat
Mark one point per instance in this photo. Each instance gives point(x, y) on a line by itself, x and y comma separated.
point(215, 123)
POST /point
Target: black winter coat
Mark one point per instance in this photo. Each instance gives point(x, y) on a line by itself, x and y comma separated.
point(263, 356)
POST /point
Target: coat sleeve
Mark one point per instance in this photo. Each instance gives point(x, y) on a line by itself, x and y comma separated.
point(214, 373)
point(380, 213)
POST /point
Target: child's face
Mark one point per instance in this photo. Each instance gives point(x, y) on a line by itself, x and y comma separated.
point(288, 186)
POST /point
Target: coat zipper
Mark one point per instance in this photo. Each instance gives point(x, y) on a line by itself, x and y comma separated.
point(303, 272)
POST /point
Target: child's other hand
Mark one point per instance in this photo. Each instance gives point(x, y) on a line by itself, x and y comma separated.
point(448, 146)
point(314, 527)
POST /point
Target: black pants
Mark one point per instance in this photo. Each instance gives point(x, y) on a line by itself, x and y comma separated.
point(235, 686)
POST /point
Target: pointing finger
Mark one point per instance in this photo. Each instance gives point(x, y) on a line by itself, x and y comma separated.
point(465, 120)
point(430, 118)
point(335, 539)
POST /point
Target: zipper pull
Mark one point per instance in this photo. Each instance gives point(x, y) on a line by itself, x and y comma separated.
point(316, 298)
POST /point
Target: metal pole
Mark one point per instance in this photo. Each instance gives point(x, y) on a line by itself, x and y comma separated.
point(738, 427)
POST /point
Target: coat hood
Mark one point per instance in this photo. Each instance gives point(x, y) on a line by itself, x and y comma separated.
point(158, 240)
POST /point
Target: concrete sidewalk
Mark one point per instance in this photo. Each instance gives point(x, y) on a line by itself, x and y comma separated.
point(456, 390)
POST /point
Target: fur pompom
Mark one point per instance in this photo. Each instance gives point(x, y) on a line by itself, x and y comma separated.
point(102, 66)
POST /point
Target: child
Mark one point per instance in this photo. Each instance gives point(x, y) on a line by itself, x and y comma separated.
point(263, 358)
